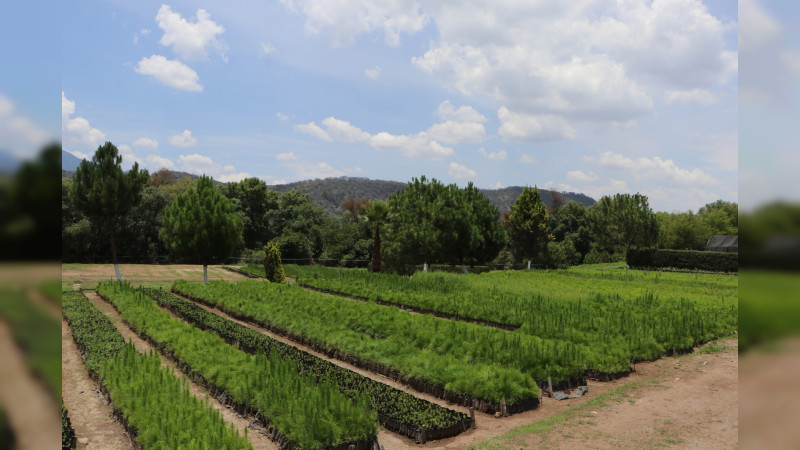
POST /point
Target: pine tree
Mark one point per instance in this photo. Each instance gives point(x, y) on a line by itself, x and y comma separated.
point(102, 191)
point(528, 225)
point(202, 225)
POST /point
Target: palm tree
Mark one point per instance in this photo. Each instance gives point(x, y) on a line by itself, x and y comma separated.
point(376, 214)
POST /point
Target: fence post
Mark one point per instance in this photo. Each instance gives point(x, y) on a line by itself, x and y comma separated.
point(529, 265)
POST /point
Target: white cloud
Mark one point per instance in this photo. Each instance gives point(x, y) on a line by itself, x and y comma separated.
point(579, 175)
point(128, 157)
point(79, 154)
point(172, 73)
point(493, 156)
point(76, 131)
point(190, 40)
point(653, 169)
point(527, 159)
point(312, 129)
point(497, 185)
point(143, 32)
point(529, 128)
point(460, 171)
point(373, 73)
point(343, 21)
point(412, 146)
point(203, 165)
point(267, 48)
point(233, 177)
point(157, 162)
point(146, 142)
point(700, 97)
point(614, 187)
point(281, 116)
point(342, 131)
point(290, 156)
point(451, 132)
point(183, 140)
point(447, 111)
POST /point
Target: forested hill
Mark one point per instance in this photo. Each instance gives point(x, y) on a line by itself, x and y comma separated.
point(331, 192)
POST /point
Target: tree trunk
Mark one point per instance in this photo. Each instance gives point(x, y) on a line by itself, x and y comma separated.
point(113, 249)
point(376, 250)
point(205, 273)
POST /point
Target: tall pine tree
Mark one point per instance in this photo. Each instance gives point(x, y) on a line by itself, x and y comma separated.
point(102, 191)
point(528, 226)
point(202, 225)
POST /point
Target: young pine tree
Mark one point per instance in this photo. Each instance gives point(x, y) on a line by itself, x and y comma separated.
point(202, 225)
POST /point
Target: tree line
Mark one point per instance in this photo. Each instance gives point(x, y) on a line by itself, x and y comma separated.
point(154, 218)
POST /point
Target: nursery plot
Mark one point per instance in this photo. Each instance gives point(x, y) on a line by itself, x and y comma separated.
point(467, 359)
point(640, 315)
point(149, 400)
point(305, 413)
point(397, 410)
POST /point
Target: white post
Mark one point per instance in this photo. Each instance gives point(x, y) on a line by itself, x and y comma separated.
point(116, 270)
point(529, 265)
point(205, 274)
point(425, 267)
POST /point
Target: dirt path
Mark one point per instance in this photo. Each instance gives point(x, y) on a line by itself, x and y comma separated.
point(31, 410)
point(89, 413)
point(769, 388)
point(89, 274)
point(258, 440)
point(487, 425)
point(689, 401)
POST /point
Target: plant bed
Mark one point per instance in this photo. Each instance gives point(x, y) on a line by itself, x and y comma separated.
point(392, 373)
point(302, 412)
point(389, 402)
point(122, 375)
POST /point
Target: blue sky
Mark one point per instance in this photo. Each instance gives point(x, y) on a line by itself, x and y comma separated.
point(591, 96)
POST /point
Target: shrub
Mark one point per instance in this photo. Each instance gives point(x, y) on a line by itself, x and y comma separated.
point(273, 268)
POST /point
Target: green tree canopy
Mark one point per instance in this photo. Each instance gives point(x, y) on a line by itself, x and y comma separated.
point(103, 192)
point(625, 221)
point(202, 225)
point(257, 204)
point(433, 223)
point(528, 225)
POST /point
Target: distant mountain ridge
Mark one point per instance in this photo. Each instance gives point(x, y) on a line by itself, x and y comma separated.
point(69, 162)
point(329, 193)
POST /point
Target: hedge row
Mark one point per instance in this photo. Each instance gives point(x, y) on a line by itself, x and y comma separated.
point(651, 258)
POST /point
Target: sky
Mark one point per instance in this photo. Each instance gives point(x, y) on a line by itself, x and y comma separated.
point(589, 96)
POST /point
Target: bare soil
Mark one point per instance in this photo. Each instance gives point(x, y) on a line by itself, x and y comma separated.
point(689, 401)
point(90, 415)
point(769, 388)
point(30, 408)
point(89, 274)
